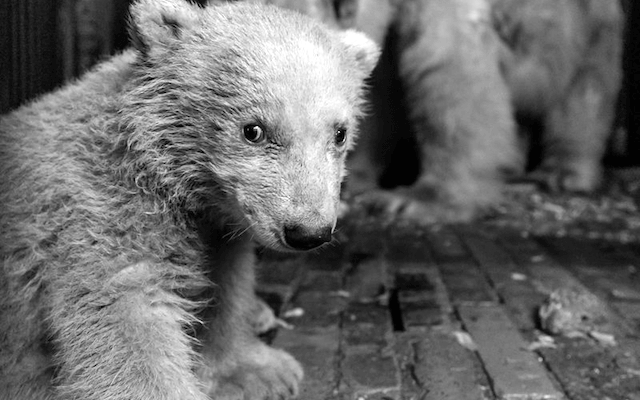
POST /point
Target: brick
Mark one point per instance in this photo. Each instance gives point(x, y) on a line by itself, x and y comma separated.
point(548, 274)
point(365, 324)
point(519, 295)
point(495, 262)
point(408, 246)
point(317, 351)
point(515, 372)
point(369, 368)
point(631, 312)
point(414, 315)
point(589, 371)
point(412, 277)
point(276, 269)
point(320, 309)
point(421, 295)
point(414, 280)
point(435, 367)
point(446, 246)
point(322, 281)
point(378, 394)
point(427, 307)
point(465, 283)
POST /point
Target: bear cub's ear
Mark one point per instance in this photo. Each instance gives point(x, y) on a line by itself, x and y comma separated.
point(364, 51)
point(158, 25)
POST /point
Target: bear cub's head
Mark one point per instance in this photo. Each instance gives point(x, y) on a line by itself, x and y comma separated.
point(244, 114)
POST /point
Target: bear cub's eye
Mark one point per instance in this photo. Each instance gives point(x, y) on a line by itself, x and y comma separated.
point(340, 136)
point(254, 133)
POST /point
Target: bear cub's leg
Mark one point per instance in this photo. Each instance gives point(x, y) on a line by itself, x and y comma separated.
point(237, 364)
point(125, 340)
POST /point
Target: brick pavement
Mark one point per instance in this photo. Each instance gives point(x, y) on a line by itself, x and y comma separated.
point(449, 313)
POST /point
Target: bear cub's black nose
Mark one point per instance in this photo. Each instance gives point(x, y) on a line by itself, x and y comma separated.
point(301, 238)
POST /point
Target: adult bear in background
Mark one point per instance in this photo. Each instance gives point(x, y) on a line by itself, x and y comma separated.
point(471, 69)
point(458, 106)
point(562, 61)
point(464, 72)
point(132, 199)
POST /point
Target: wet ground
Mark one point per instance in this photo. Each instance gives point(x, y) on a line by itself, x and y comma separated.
point(539, 300)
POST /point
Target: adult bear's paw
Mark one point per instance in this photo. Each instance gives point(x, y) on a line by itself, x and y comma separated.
point(416, 204)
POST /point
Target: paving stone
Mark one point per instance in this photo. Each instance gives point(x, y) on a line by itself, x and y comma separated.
point(366, 313)
point(369, 368)
point(407, 246)
point(427, 307)
point(515, 372)
point(417, 296)
point(547, 273)
point(413, 278)
point(631, 313)
point(320, 309)
point(366, 324)
point(322, 281)
point(277, 269)
point(317, 350)
point(465, 283)
point(434, 366)
point(446, 246)
point(511, 281)
point(383, 394)
point(588, 371)
point(421, 314)
point(495, 262)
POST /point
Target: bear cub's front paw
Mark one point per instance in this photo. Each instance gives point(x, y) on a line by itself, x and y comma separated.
point(260, 373)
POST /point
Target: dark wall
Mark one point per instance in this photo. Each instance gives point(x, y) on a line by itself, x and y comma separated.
point(30, 60)
point(631, 92)
point(45, 42)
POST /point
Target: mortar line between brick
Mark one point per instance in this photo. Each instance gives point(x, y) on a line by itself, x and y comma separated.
point(550, 372)
point(451, 310)
point(340, 356)
point(476, 354)
point(418, 382)
point(555, 378)
point(483, 271)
